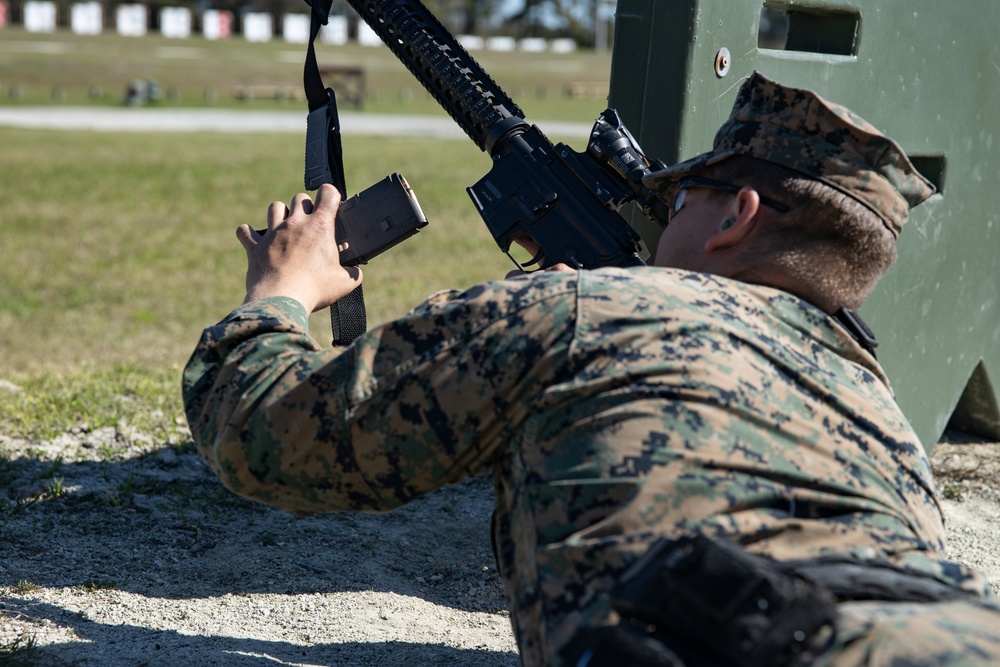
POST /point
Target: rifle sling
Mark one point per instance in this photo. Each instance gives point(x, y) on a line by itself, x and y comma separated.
point(324, 163)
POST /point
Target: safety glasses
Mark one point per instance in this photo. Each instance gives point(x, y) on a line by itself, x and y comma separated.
point(692, 182)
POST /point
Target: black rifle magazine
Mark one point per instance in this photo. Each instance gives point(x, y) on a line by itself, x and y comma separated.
point(376, 219)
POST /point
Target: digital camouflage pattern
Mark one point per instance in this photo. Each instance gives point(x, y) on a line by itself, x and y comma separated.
point(942, 634)
point(798, 129)
point(611, 407)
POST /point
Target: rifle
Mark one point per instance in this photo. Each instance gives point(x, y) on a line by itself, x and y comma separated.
point(569, 203)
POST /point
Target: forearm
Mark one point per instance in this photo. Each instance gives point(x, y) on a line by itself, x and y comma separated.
point(240, 389)
point(409, 407)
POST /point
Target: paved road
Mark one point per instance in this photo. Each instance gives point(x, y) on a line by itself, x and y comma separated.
point(112, 119)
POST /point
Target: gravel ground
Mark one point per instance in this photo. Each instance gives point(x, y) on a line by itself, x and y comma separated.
point(118, 552)
point(115, 550)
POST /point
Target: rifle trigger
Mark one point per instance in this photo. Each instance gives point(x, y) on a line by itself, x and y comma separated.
point(536, 259)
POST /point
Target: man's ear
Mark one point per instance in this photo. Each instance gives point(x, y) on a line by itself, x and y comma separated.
point(734, 228)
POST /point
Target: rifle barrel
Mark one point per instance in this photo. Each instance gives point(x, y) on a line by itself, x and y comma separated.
point(442, 65)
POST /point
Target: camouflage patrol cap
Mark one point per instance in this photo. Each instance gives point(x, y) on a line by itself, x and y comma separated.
point(798, 129)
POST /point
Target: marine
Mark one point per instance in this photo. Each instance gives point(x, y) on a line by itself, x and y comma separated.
point(724, 401)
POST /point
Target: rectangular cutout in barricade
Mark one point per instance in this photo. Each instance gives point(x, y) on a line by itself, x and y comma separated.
point(39, 16)
point(86, 18)
point(4, 12)
point(217, 24)
point(295, 28)
point(131, 20)
point(257, 27)
point(367, 36)
point(175, 22)
point(335, 31)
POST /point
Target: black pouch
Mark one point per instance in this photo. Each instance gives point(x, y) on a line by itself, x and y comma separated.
point(712, 603)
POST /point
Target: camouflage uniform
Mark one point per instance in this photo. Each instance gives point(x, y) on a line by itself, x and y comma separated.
point(612, 407)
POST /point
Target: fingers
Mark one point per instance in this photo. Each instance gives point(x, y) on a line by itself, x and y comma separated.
point(276, 214)
point(247, 237)
point(555, 267)
point(560, 267)
point(327, 198)
point(301, 203)
point(355, 274)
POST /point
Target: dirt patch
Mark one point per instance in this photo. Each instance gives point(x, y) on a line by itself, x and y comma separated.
point(118, 551)
point(968, 478)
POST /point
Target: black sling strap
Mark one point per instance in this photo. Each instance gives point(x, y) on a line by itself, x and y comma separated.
point(325, 164)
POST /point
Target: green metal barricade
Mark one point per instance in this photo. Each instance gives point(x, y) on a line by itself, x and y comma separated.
point(925, 72)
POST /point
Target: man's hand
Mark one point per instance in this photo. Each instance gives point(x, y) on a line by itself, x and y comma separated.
point(298, 256)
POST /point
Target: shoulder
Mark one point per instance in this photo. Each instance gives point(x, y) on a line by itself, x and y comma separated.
point(519, 307)
point(670, 293)
point(500, 298)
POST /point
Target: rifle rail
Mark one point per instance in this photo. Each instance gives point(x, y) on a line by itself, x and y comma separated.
point(449, 73)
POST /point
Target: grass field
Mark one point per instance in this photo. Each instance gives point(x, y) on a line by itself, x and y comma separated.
point(117, 249)
point(65, 68)
point(128, 239)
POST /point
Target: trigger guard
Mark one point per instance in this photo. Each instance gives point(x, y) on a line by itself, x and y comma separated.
point(523, 268)
point(537, 259)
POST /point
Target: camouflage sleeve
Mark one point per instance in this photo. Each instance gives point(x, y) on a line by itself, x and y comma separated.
point(410, 406)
